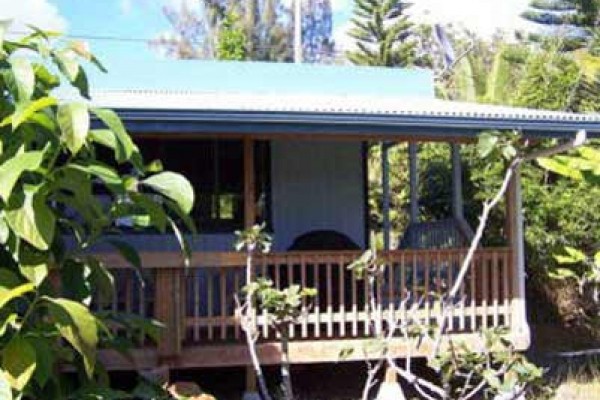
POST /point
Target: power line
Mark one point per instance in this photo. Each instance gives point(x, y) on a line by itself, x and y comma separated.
point(335, 53)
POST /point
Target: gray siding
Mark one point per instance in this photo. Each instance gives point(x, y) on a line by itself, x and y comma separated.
point(317, 185)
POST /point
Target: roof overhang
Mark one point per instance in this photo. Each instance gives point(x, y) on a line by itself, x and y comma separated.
point(359, 116)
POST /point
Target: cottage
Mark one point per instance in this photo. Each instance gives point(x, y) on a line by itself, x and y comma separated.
point(285, 145)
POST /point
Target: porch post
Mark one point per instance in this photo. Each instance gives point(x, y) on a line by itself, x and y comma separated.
point(249, 184)
point(385, 185)
point(514, 214)
point(414, 183)
point(457, 196)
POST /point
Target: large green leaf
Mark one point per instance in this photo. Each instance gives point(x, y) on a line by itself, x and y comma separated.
point(24, 77)
point(6, 296)
point(34, 273)
point(155, 211)
point(124, 145)
point(19, 362)
point(78, 327)
point(74, 122)
point(12, 169)
point(486, 144)
point(5, 390)
point(32, 220)
point(45, 357)
point(559, 167)
point(4, 25)
point(66, 60)
point(174, 186)
point(26, 111)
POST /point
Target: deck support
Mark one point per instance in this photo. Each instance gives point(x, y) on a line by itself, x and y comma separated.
point(458, 211)
point(385, 186)
point(168, 310)
point(249, 184)
point(514, 213)
point(414, 183)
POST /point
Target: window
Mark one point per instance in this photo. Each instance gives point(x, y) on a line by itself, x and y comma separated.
point(215, 169)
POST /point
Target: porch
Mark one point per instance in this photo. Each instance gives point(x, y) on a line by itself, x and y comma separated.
point(197, 305)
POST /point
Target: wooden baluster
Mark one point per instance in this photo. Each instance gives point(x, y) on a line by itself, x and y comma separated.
point(329, 267)
point(415, 278)
point(196, 311)
point(403, 289)
point(495, 291)
point(265, 314)
point(304, 314)
point(463, 297)
point(438, 287)
point(142, 306)
point(485, 282)
point(391, 289)
point(236, 288)
point(505, 286)
point(317, 301)
point(354, 306)
point(366, 307)
point(290, 268)
point(209, 303)
point(223, 300)
point(128, 295)
point(379, 302)
point(342, 288)
point(473, 294)
point(426, 261)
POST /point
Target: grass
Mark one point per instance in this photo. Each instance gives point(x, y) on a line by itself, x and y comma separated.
point(576, 380)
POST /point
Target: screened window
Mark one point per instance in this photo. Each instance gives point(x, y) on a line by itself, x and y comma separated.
point(216, 170)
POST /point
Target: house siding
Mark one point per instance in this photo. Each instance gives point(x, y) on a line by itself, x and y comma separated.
point(317, 185)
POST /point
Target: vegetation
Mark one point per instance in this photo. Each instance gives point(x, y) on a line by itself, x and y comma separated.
point(383, 34)
point(264, 26)
point(51, 167)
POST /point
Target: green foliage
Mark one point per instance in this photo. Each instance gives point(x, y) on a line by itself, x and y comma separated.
point(254, 238)
point(231, 42)
point(282, 305)
point(550, 78)
point(49, 171)
point(383, 34)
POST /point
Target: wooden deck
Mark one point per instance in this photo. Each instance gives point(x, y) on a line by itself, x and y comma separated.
point(197, 306)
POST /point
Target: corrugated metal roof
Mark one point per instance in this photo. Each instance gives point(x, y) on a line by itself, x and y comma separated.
point(321, 104)
point(168, 111)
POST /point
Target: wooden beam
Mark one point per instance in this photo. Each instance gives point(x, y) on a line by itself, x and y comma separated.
point(249, 184)
point(385, 186)
point(301, 352)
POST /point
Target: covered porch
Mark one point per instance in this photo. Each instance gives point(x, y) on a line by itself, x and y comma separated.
point(196, 303)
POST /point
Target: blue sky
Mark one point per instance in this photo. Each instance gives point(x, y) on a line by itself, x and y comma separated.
point(133, 22)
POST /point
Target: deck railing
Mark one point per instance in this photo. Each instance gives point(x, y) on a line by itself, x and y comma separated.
point(197, 303)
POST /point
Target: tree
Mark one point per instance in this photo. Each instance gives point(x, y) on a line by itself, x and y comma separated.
point(317, 29)
point(231, 42)
point(577, 16)
point(383, 34)
point(50, 170)
point(265, 25)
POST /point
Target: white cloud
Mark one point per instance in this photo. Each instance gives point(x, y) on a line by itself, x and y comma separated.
point(336, 5)
point(125, 6)
point(484, 17)
point(342, 41)
point(40, 13)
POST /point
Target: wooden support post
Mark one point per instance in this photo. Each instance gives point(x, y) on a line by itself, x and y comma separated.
point(167, 309)
point(514, 219)
point(249, 184)
point(414, 183)
point(457, 196)
point(385, 186)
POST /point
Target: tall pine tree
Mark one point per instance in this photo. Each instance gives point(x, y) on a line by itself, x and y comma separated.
point(383, 34)
point(577, 17)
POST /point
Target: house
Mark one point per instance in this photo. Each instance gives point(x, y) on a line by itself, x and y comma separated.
point(285, 145)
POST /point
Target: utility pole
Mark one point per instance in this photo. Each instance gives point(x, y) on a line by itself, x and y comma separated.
point(298, 31)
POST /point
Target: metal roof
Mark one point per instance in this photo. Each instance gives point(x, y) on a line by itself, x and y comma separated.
point(270, 112)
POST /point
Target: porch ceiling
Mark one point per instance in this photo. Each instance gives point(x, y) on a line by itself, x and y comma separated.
point(181, 112)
